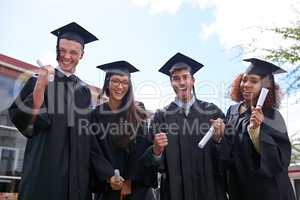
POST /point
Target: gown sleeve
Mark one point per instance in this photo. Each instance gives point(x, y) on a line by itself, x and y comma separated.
point(228, 140)
point(101, 167)
point(156, 126)
point(20, 112)
point(275, 147)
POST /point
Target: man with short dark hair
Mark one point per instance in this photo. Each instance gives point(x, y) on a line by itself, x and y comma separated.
point(188, 172)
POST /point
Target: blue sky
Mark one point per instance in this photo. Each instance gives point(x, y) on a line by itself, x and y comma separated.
point(147, 33)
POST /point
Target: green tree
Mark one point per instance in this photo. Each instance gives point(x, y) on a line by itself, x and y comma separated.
point(288, 55)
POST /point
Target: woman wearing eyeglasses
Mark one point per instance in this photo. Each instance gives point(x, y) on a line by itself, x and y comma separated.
point(120, 125)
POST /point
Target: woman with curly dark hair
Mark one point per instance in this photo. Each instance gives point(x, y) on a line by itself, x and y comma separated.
point(256, 146)
point(120, 125)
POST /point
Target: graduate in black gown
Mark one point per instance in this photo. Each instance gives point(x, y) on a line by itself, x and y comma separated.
point(256, 145)
point(48, 113)
point(188, 172)
point(122, 134)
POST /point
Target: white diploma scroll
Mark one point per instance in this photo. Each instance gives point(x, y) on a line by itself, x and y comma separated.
point(206, 138)
point(261, 99)
point(118, 175)
point(40, 64)
point(117, 172)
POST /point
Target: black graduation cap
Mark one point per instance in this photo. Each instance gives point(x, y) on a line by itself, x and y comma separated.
point(118, 67)
point(177, 59)
point(74, 31)
point(261, 67)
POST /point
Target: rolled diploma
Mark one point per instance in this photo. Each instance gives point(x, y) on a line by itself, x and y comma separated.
point(262, 97)
point(206, 138)
point(117, 172)
point(40, 64)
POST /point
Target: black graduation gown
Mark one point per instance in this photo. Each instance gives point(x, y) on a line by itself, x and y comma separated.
point(253, 175)
point(188, 172)
point(56, 162)
point(126, 159)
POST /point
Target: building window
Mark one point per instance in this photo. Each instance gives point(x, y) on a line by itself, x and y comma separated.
point(8, 160)
point(12, 143)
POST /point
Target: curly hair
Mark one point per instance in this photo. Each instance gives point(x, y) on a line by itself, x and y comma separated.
point(274, 96)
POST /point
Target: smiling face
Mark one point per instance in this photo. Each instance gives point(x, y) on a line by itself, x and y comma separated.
point(118, 87)
point(182, 83)
point(250, 87)
point(70, 52)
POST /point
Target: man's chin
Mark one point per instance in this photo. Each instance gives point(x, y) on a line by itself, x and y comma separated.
point(68, 69)
point(183, 97)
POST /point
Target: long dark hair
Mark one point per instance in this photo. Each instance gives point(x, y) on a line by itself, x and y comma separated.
point(129, 108)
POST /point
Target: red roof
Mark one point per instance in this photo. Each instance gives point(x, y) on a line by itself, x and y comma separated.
point(20, 64)
point(17, 63)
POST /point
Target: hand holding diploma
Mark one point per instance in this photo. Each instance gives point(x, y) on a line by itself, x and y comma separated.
point(45, 73)
point(51, 75)
point(116, 181)
point(216, 131)
point(257, 115)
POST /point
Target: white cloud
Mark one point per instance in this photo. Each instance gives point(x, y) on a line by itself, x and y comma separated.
point(203, 4)
point(244, 22)
point(160, 6)
point(171, 6)
point(237, 22)
point(141, 3)
point(207, 30)
point(240, 22)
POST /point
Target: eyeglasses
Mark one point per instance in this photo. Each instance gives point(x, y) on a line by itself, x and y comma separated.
point(116, 83)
